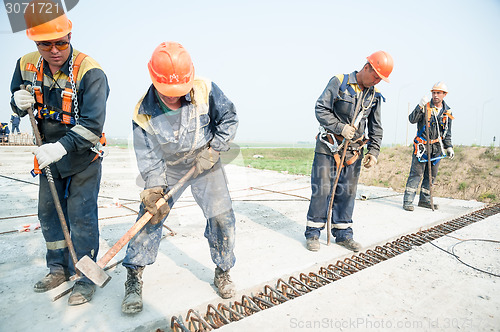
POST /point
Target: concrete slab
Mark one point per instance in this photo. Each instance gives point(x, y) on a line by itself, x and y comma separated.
point(271, 211)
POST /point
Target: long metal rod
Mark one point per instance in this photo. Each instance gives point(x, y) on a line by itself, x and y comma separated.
point(53, 191)
point(429, 152)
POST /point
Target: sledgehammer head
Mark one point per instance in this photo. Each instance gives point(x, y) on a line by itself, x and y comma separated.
point(93, 271)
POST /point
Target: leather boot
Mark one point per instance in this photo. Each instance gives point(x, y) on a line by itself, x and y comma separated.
point(51, 281)
point(132, 302)
point(224, 284)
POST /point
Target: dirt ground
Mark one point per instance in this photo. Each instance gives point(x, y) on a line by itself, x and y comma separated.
point(474, 173)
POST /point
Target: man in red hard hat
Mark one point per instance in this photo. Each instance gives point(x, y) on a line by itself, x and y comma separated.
point(437, 115)
point(349, 106)
point(182, 121)
point(69, 93)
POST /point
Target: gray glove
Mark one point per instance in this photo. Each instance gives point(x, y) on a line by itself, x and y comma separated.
point(450, 152)
point(23, 99)
point(369, 161)
point(348, 131)
point(49, 153)
point(205, 160)
point(149, 197)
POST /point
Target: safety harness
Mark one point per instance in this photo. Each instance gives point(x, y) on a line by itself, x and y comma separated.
point(331, 140)
point(420, 142)
point(64, 115)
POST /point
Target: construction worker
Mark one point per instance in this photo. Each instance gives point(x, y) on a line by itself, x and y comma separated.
point(15, 120)
point(348, 107)
point(438, 114)
point(69, 93)
point(182, 121)
point(4, 132)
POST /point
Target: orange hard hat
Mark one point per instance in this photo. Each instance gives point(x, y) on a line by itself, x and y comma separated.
point(171, 69)
point(440, 86)
point(382, 64)
point(45, 24)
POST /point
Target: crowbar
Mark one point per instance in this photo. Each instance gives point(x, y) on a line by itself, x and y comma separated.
point(95, 270)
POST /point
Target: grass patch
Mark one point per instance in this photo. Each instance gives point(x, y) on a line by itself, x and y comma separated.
point(462, 186)
point(291, 160)
point(487, 196)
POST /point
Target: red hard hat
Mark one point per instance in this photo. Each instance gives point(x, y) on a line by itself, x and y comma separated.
point(382, 64)
point(43, 24)
point(171, 69)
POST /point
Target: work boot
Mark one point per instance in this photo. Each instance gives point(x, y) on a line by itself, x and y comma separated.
point(51, 281)
point(428, 205)
point(408, 207)
point(312, 243)
point(132, 302)
point(350, 244)
point(224, 284)
point(82, 293)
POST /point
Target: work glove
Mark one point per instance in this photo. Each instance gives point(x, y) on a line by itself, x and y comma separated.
point(425, 99)
point(205, 160)
point(49, 153)
point(369, 161)
point(450, 152)
point(149, 197)
point(23, 99)
point(348, 131)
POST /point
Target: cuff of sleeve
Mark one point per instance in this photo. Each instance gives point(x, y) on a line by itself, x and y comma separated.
point(373, 152)
point(219, 145)
point(155, 182)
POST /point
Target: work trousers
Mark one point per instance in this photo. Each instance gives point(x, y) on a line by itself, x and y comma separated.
point(78, 197)
point(323, 175)
point(210, 192)
point(416, 171)
point(14, 128)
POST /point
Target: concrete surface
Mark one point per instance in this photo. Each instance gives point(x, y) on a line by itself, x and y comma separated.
point(269, 245)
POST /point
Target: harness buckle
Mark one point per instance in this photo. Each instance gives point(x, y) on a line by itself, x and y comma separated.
point(71, 94)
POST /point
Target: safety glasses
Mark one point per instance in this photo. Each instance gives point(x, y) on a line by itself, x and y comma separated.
point(47, 46)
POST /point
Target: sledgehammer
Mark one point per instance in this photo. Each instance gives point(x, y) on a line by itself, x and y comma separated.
point(95, 271)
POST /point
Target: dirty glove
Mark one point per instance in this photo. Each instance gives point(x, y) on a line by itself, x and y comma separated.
point(205, 160)
point(149, 197)
point(49, 153)
point(23, 99)
point(369, 161)
point(450, 152)
point(348, 131)
point(425, 99)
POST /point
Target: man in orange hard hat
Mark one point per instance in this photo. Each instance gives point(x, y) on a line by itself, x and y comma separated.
point(181, 122)
point(437, 115)
point(69, 92)
point(349, 106)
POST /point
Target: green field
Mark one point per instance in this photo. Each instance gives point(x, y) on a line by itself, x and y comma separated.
point(291, 160)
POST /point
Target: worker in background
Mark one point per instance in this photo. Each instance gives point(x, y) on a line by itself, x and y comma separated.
point(15, 120)
point(344, 96)
point(69, 93)
point(182, 121)
point(4, 132)
point(438, 114)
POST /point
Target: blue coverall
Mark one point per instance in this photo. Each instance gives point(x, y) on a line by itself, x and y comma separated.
point(77, 175)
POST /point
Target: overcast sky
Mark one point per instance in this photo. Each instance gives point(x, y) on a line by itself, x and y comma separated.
point(274, 58)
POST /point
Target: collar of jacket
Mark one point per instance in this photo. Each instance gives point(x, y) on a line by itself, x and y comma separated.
point(445, 106)
point(151, 105)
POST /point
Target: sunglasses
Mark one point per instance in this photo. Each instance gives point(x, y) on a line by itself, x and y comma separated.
point(47, 46)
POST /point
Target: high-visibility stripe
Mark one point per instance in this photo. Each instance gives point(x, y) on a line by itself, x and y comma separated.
point(341, 226)
point(56, 245)
point(410, 190)
point(85, 133)
point(315, 224)
point(425, 191)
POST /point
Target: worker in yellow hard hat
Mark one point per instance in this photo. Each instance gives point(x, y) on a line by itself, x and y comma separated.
point(181, 122)
point(68, 92)
point(435, 114)
point(349, 106)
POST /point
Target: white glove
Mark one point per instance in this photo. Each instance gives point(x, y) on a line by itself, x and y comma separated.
point(369, 161)
point(450, 152)
point(348, 131)
point(49, 153)
point(425, 99)
point(23, 99)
